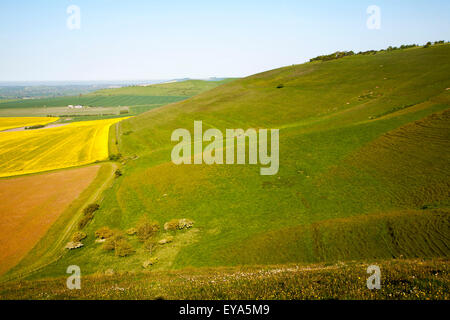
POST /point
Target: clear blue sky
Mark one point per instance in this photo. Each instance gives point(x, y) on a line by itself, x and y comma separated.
point(137, 39)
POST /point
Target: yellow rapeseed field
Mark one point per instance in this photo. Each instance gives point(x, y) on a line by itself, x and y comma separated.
point(17, 122)
point(74, 144)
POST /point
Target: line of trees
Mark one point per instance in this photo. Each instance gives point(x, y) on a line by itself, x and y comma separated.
point(342, 54)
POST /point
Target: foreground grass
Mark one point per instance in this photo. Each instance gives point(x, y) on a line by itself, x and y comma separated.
point(400, 279)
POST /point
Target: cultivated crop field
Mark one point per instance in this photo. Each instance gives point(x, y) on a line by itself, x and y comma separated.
point(74, 144)
point(62, 112)
point(29, 205)
point(16, 122)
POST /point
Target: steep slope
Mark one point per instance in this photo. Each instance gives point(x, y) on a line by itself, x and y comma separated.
point(404, 168)
point(342, 156)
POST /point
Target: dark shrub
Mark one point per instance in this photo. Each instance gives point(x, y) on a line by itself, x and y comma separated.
point(78, 236)
point(104, 233)
point(178, 224)
point(85, 220)
point(109, 244)
point(333, 56)
point(112, 240)
point(171, 225)
point(146, 228)
point(88, 215)
point(90, 209)
point(37, 126)
point(131, 231)
point(185, 224)
point(123, 248)
point(115, 157)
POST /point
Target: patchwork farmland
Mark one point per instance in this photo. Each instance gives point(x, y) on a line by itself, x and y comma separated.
point(108, 103)
point(10, 123)
point(93, 100)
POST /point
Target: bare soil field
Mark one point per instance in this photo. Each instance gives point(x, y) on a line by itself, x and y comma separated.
point(30, 204)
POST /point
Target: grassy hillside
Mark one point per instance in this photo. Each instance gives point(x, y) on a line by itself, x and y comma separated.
point(363, 174)
point(186, 88)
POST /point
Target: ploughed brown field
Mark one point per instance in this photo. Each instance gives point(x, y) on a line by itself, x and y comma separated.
point(30, 204)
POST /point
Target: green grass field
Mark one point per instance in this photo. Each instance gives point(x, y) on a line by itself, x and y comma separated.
point(363, 176)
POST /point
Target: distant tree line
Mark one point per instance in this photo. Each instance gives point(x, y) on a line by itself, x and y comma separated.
point(341, 54)
point(333, 56)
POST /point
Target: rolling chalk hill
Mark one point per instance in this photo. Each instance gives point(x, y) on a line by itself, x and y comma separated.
point(364, 169)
